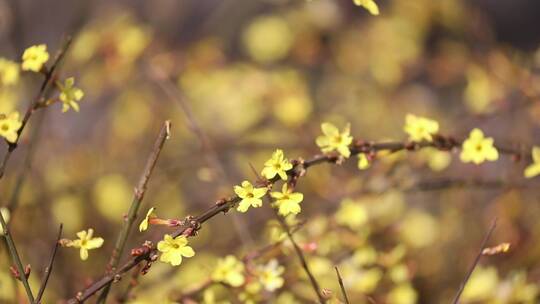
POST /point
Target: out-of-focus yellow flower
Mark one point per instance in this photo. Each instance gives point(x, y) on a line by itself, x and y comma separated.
point(6, 216)
point(480, 91)
point(533, 169)
point(173, 249)
point(229, 270)
point(69, 95)
point(9, 125)
point(366, 255)
point(277, 165)
point(144, 224)
point(419, 229)
point(268, 39)
point(478, 148)
point(368, 280)
point(112, 195)
point(334, 140)
point(437, 160)
point(399, 273)
point(86, 242)
point(9, 72)
point(287, 201)
point(481, 285)
point(351, 214)
point(34, 57)
point(270, 275)
point(369, 5)
point(363, 162)
point(402, 294)
point(251, 197)
point(420, 128)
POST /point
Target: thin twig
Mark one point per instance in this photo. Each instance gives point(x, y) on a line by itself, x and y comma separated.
point(301, 257)
point(343, 291)
point(21, 178)
point(475, 263)
point(12, 146)
point(126, 295)
point(138, 196)
point(49, 268)
point(299, 169)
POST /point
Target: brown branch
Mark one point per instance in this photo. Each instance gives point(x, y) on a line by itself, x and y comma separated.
point(138, 196)
point(49, 268)
point(475, 263)
point(134, 281)
point(343, 291)
point(21, 178)
point(299, 169)
point(301, 257)
point(46, 85)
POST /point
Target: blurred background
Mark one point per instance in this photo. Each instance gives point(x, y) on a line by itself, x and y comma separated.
point(256, 75)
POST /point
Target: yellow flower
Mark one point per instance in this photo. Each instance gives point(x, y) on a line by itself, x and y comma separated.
point(251, 197)
point(9, 125)
point(369, 5)
point(363, 162)
point(6, 216)
point(86, 242)
point(351, 214)
point(533, 169)
point(270, 275)
point(229, 270)
point(9, 72)
point(69, 95)
point(420, 128)
point(333, 140)
point(478, 148)
point(34, 57)
point(287, 201)
point(278, 164)
point(402, 294)
point(144, 224)
point(172, 249)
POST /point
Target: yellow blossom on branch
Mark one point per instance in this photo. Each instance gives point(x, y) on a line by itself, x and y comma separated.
point(277, 165)
point(270, 275)
point(9, 72)
point(86, 242)
point(69, 95)
point(251, 197)
point(35, 57)
point(287, 201)
point(533, 169)
point(173, 249)
point(369, 5)
point(478, 148)
point(420, 128)
point(334, 140)
point(9, 126)
point(363, 161)
point(143, 226)
point(229, 270)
